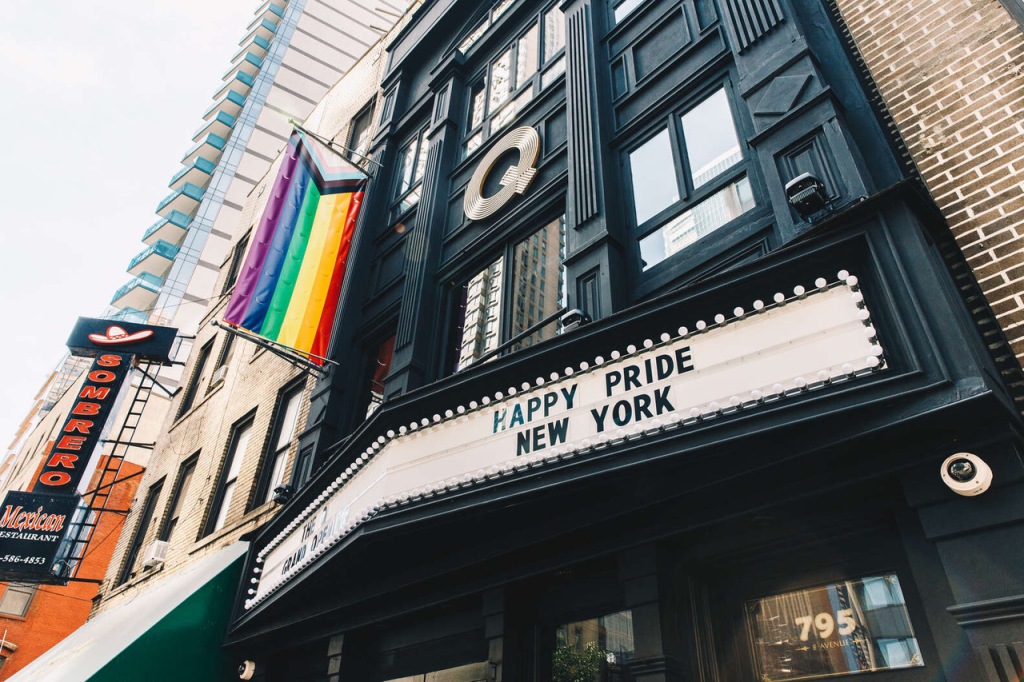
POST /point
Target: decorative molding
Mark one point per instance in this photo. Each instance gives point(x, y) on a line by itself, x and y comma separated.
point(752, 19)
point(583, 174)
point(989, 611)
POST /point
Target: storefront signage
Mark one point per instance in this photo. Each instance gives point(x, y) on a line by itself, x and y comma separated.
point(41, 517)
point(515, 180)
point(763, 354)
point(32, 526)
point(853, 626)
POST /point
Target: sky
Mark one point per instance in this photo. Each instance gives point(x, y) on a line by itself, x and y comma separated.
point(98, 103)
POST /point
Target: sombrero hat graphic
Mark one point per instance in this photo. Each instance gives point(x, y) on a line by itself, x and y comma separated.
point(115, 336)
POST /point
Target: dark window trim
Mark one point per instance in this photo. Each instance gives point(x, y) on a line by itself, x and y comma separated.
point(1016, 10)
point(139, 536)
point(365, 113)
point(188, 399)
point(261, 492)
point(237, 255)
point(484, 74)
point(166, 527)
point(217, 497)
point(689, 196)
point(529, 225)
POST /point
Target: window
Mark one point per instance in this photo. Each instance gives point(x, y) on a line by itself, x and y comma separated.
point(303, 467)
point(412, 161)
point(380, 369)
point(199, 377)
point(480, 29)
point(492, 307)
point(227, 351)
point(178, 497)
point(596, 650)
point(225, 490)
point(511, 80)
point(16, 599)
point(132, 555)
point(286, 418)
point(688, 179)
point(237, 255)
point(624, 8)
point(359, 133)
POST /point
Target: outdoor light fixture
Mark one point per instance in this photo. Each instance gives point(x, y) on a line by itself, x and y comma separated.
point(573, 319)
point(807, 194)
point(283, 493)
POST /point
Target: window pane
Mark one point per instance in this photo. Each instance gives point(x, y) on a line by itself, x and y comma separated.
point(474, 36)
point(701, 220)
point(654, 177)
point(500, 9)
point(500, 85)
point(538, 282)
point(222, 511)
point(526, 56)
point(17, 598)
point(477, 98)
point(276, 475)
point(359, 135)
point(711, 142)
point(478, 316)
point(508, 113)
point(241, 441)
point(553, 72)
point(625, 9)
point(288, 416)
point(554, 33)
point(407, 161)
point(596, 650)
point(421, 159)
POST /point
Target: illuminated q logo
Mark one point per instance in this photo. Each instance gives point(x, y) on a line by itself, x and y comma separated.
point(516, 179)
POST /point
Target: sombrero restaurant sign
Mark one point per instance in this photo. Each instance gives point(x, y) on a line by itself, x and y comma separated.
point(809, 340)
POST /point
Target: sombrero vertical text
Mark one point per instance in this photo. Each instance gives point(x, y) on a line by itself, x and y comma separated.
point(287, 290)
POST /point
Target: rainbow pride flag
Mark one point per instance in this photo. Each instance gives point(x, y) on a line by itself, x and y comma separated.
point(287, 290)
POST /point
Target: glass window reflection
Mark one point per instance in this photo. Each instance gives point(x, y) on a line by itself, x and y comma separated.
point(654, 178)
point(712, 145)
point(595, 650)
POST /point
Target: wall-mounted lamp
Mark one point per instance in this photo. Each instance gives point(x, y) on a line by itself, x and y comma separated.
point(283, 493)
point(573, 319)
point(807, 195)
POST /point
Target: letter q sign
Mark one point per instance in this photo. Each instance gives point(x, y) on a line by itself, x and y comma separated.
point(516, 179)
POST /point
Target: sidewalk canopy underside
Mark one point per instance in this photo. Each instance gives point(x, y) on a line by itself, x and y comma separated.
point(172, 631)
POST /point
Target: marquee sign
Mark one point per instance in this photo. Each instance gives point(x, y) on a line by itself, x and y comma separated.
point(809, 341)
point(516, 179)
point(34, 525)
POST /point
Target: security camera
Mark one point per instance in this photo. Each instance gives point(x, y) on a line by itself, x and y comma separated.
point(807, 195)
point(966, 474)
point(573, 319)
point(246, 670)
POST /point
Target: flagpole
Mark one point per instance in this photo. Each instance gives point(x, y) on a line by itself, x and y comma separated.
point(292, 355)
point(335, 148)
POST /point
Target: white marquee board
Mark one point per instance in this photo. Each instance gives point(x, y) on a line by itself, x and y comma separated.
point(809, 341)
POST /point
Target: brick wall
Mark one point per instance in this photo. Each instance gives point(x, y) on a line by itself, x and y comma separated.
point(951, 73)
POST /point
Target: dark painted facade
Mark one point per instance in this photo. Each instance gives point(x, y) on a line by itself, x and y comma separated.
point(669, 548)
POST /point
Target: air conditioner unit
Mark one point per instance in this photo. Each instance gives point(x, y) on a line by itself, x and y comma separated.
point(219, 374)
point(155, 553)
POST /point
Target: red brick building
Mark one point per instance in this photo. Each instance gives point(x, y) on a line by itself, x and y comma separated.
point(33, 618)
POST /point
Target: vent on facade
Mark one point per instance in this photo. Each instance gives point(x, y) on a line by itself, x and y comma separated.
point(155, 553)
point(218, 375)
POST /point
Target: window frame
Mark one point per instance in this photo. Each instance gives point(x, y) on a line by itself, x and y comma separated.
point(179, 491)
point(131, 557)
point(272, 453)
point(535, 80)
point(690, 195)
point(363, 115)
point(192, 389)
point(231, 451)
point(400, 211)
point(235, 265)
point(506, 253)
point(31, 591)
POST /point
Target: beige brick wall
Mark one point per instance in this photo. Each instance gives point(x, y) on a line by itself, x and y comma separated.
point(254, 380)
point(952, 75)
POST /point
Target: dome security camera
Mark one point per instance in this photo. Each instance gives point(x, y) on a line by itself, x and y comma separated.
point(966, 474)
point(246, 670)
